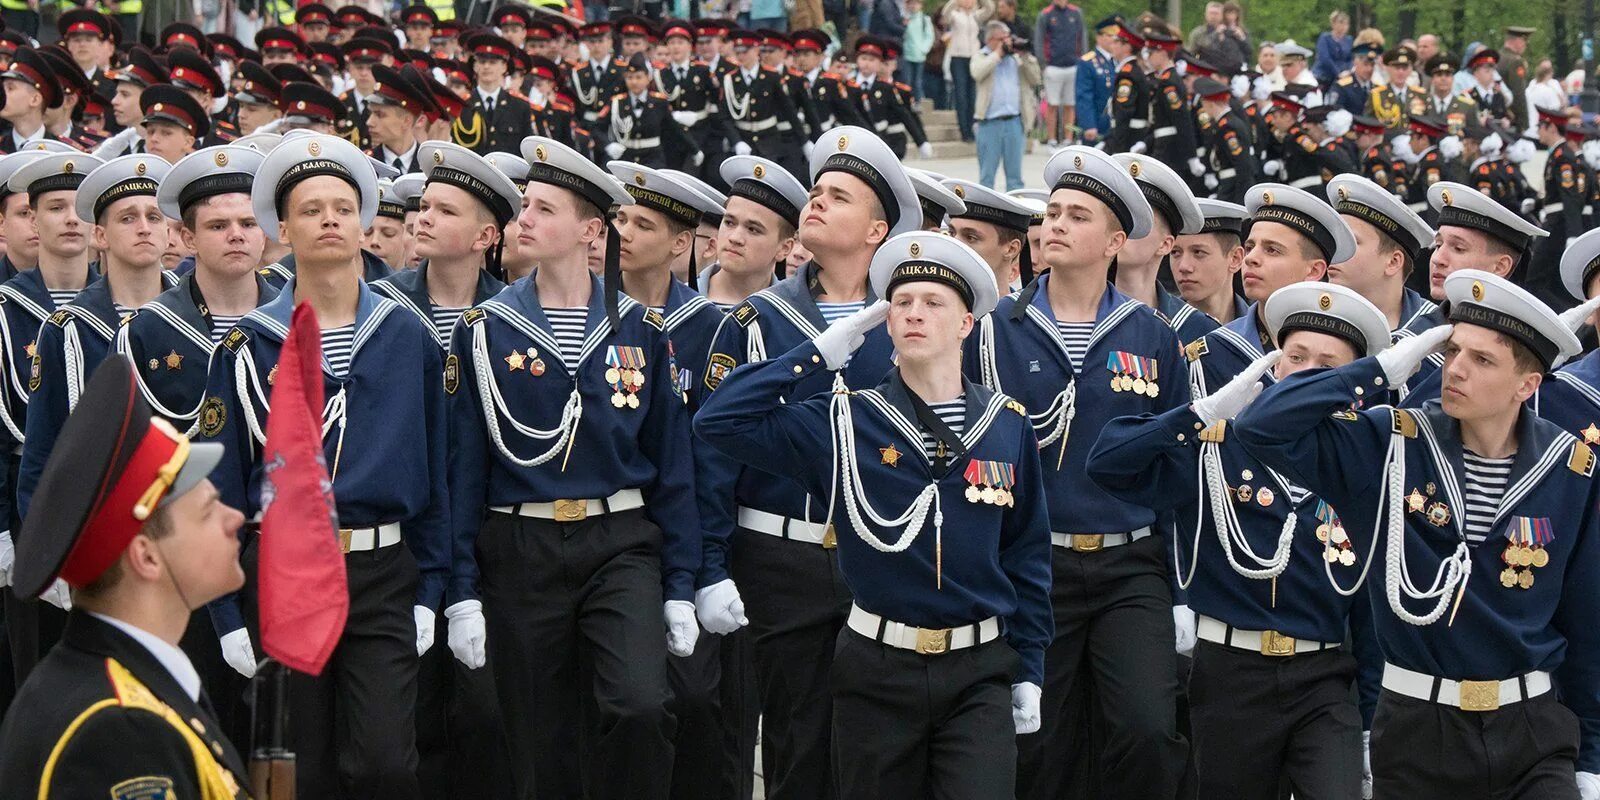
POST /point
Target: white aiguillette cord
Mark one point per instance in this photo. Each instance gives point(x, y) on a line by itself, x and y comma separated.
point(1229, 532)
point(1450, 578)
point(1056, 418)
point(489, 396)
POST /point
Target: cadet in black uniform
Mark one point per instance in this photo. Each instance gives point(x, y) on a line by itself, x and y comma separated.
point(595, 82)
point(141, 536)
point(1430, 166)
point(1232, 167)
point(757, 103)
point(1566, 193)
point(835, 96)
point(1130, 97)
point(775, 48)
point(695, 98)
point(360, 53)
point(638, 125)
point(880, 98)
point(507, 115)
point(1172, 134)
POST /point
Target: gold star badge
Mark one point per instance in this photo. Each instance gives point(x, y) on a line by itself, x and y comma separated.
point(1415, 501)
point(514, 361)
point(890, 455)
point(1591, 434)
point(173, 360)
point(32, 349)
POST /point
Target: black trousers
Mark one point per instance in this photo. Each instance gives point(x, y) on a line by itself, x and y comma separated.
point(570, 599)
point(909, 725)
point(461, 745)
point(714, 145)
point(32, 626)
point(797, 603)
point(1427, 751)
point(701, 757)
point(741, 715)
point(353, 728)
point(1260, 720)
point(1113, 615)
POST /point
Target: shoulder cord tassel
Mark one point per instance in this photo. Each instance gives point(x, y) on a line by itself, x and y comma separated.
point(1453, 572)
point(1056, 418)
point(1230, 532)
point(490, 398)
point(244, 368)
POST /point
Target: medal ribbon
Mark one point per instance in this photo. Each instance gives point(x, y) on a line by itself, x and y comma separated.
point(973, 473)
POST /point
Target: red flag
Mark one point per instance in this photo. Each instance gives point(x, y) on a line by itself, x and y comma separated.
point(304, 594)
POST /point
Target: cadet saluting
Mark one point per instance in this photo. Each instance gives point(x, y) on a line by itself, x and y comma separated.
point(924, 451)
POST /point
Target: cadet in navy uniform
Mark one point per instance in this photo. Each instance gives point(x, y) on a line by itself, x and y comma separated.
point(1203, 265)
point(638, 125)
point(1111, 599)
point(385, 449)
point(1130, 100)
point(769, 534)
point(1143, 261)
point(134, 528)
point(922, 681)
point(554, 359)
point(1468, 486)
point(508, 116)
point(1294, 236)
point(1270, 690)
point(995, 226)
point(937, 200)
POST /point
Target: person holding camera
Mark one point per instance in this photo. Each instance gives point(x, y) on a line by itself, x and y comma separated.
point(1007, 78)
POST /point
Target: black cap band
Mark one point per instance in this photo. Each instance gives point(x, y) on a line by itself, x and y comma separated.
point(996, 216)
point(1583, 286)
point(1162, 204)
point(932, 213)
point(541, 172)
point(1382, 222)
point(58, 182)
point(1497, 320)
point(1302, 223)
point(1233, 225)
point(311, 169)
point(1086, 183)
point(498, 206)
point(675, 209)
point(764, 195)
point(855, 165)
point(131, 187)
point(392, 210)
point(1462, 218)
point(1323, 323)
point(910, 271)
point(413, 203)
point(213, 185)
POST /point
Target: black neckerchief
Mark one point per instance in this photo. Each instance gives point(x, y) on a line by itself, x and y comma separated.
point(949, 449)
point(1262, 335)
point(200, 302)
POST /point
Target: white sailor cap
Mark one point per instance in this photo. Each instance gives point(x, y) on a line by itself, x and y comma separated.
point(766, 184)
point(1462, 206)
point(305, 156)
point(933, 256)
point(1289, 49)
point(1168, 194)
point(715, 202)
point(556, 164)
point(936, 199)
point(1306, 214)
point(389, 204)
point(1578, 264)
point(11, 162)
point(1356, 196)
point(512, 166)
point(1329, 308)
point(408, 190)
point(1088, 170)
point(450, 163)
point(224, 169)
point(260, 140)
point(1490, 301)
point(653, 189)
point(384, 170)
point(1037, 200)
point(987, 205)
point(1221, 216)
point(859, 152)
point(124, 176)
point(53, 172)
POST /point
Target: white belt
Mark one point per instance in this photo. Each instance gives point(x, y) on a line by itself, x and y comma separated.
point(1164, 131)
point(1227, 173)
point(1306, 182)
point(642, 144)
point(1267, 643)
point(1549, 208)
point(898, 127)
point(576, 510)
point(1091, 542)
point(699, 116)
point(927, 641)
point(1465, 695)
point(880, 125)
point(786, 528)
point(1137, 123)
point(591, 116)
point(359, 540)
point(754, 127)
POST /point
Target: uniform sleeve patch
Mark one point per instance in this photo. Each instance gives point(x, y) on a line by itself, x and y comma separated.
point(234, 340)
point(654, 319)
point(745, 314)
point(149, 787)
point(718, 368)
point(1582, 459)
point(474, 316)
point(1017, 407)
point(213, 416)
point(1195, 349)
point(34, 377)
point(1405, 424)
point(452, 374)
point(60, 317)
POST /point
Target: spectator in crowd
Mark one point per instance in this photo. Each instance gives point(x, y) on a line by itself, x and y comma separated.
point(1006, 11)
point(1007, 78)
point(1427, 47)
point(1267, 65)
point(1062, 40)
point(963, 20)
point(771, 15)
point(1333, 49)
point(1233, 41)
point(806, 14)
point(887, 19)
point(1544, 91)
point(1372, 38)
point(918, 41)
point(1206, 34)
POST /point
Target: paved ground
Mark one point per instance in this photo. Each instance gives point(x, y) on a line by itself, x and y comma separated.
point(967, 168)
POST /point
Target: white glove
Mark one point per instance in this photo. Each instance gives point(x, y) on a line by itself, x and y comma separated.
point(1025, 707)
point(926, 150)
point(1366, 765)
point(424, 617)
point(236, 650)
point(1183, 621)
point(1236, 394)
point(741, 149)
point(1528, 204)
point(615, 150)
point(699, 158)
point(1573, 318)
point(1210, 181)
point(1138, 147)
point(1272, 168)
point(807, 148)
point(1519, 151)
point(1196, 168)
point(720, 608)
point(1400, 146)
point(8, 558)
point(58, 595)
point(466, 633)
point(684, 118)
point(681, 628)
point(1588, 786)
point(1402, 359)
point(1450, 147)
point(843, 337)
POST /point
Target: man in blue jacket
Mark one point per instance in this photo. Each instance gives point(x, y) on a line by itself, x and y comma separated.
point(1093, 82)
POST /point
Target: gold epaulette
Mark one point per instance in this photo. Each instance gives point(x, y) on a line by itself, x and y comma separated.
point(1405, 424)
point(1216, 433)
point(1582, 459)
point(1195, 349)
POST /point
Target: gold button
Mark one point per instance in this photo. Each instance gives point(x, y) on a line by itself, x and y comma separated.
point(1181, 437)
point(1199, 426)
point(815, 359)
point(1360, 391)
point(797, 369)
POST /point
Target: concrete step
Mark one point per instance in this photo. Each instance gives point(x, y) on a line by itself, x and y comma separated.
point(933, 116)
point(942, 133)
point(955, 149)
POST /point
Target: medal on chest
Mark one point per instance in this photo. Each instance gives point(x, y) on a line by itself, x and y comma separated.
point(990, 482)
point(1330, 531)
point(625, 374)
point(1133, 373)
point(1526, 538)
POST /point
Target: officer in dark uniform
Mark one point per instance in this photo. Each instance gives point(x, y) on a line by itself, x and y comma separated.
point(1454, 108)
point(1130, 97)
point(1393, 101)
point(594, 83)
point(1352, 90)
point(757, 103)
point(1527, 707)
point(1566, 192)
point(836, 97)
point(638, 125)
point(693, 94)
point(1232, 162)
point(117, 710)
point(508, 117)
point(904, 624)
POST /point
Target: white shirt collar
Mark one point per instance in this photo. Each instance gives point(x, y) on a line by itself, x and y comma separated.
point(32, 137)
point(176, 663)
point(389, 155)
point(812, 75)
point(493, 97)
point(640, 98)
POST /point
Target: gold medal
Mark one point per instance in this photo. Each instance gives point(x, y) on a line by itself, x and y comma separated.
point(1139, 386)
point(1525, 580)
point(633, 401)
point(1243, 493)
point(617, 400)
point(1331, 555)
point(1338, 535)
point(1508, 577)
point(536, 367)
point(1264, 497)
point(973, 494)
point(1152, 390)
point(613, 376)
point(1347, 558)
point(1322, 532)
point(1247, 475)
point(638, 379)
point(987, 494)
point(1524, 556)
point(1002, 497)
point(1415, 501)
point(1116, 383)
point(1541, 558)
point(1439, 514)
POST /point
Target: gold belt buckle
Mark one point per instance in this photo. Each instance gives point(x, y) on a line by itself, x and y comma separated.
point(1276, 644)
point(571, 510)
point(1480, 695)
point(932, 642)
point(830, 538)
point(344, 540)
point(1088, 542)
